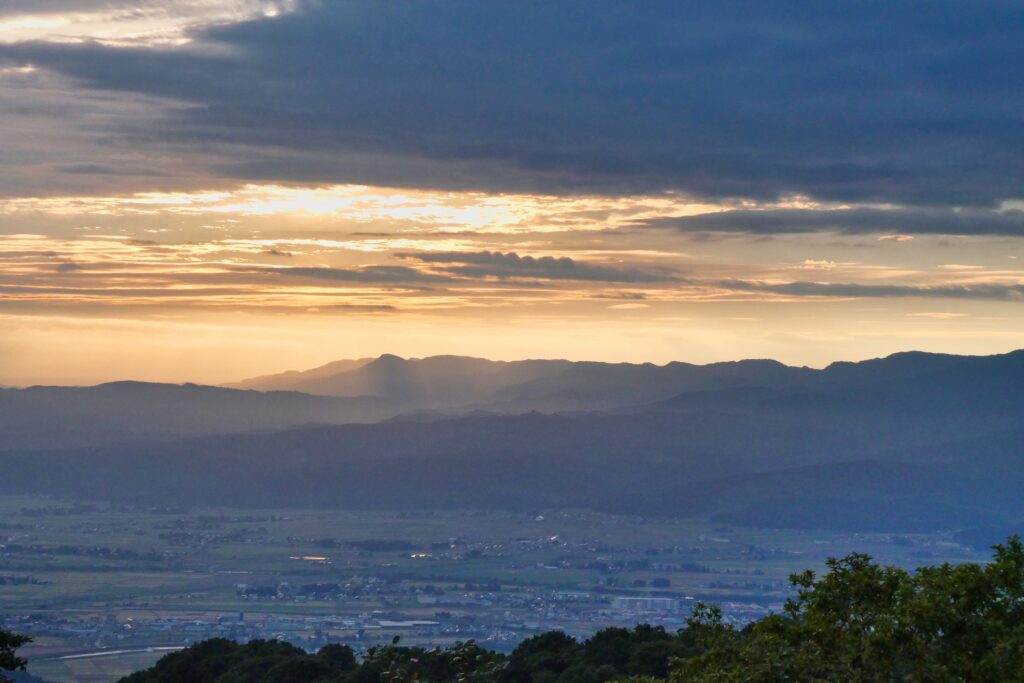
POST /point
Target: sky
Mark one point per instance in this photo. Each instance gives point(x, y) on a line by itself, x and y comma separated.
point(200, 190)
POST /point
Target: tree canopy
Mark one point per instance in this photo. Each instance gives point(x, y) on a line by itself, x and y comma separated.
point(9, 660)
point(865, 622)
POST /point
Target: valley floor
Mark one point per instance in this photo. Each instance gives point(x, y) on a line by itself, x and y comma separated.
point(120, 584)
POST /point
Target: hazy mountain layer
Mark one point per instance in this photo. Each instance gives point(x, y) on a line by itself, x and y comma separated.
point(115, 412)
point(911, 442)
point(444, 382)
point(290, 381)
point(907, 442)
point(548, 385)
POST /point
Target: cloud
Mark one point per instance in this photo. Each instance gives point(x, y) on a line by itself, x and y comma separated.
point(854, 102)
point(166, 23)
point(348, 308)
point(938, 315)
point(14, 8)
point(901, 221)
point(395, 210)
point(512, 265)
point(381, 275)
point(992, 291)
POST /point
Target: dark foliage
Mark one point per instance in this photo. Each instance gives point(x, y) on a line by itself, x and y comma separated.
point(863, 622)
point(9, 660)
point(612, 653)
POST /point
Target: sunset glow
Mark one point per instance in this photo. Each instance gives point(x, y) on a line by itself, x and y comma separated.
point(157, 221)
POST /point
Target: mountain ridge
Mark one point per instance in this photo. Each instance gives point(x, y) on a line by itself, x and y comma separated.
point(907, 442)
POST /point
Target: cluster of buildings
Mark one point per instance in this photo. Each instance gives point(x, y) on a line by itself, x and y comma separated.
point(498, 619)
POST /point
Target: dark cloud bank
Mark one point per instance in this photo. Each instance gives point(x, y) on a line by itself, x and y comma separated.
point(908, 103)
point(980, 291)
point(452, 267)
point(855, 221)
point(512, 265)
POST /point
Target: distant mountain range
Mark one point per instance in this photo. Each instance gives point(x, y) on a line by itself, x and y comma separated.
point(48, 417)
point(910, 442)
point(353, 391)
point(442, 382)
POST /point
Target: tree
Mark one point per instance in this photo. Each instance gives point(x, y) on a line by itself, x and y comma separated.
point(9, 644)
point(862, 622)
point(541, 658)
point(341, 656)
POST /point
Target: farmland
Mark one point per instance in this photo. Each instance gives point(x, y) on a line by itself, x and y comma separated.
point(105, 589)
